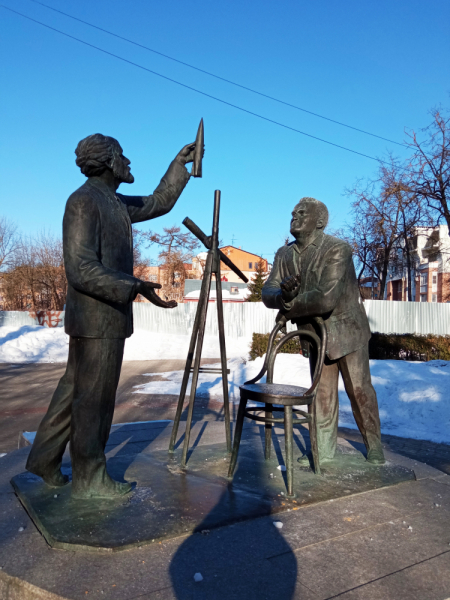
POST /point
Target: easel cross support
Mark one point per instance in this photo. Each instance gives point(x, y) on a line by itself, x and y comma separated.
point(212, 267)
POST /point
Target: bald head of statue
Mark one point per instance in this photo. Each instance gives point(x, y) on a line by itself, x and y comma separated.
point(308, 216)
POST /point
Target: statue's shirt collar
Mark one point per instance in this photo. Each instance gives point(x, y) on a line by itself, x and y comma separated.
point(102, 187)
point(315, 241)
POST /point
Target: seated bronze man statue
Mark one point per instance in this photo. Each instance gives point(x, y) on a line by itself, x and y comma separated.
point(98, 258)
point(315, 276)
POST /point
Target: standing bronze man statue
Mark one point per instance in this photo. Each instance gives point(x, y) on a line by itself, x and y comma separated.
point(98, 257)
point(315, 276)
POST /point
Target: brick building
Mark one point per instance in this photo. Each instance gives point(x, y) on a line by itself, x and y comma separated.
point(430, 273)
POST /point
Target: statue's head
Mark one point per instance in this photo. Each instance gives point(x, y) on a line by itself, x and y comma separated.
point(308, 215)
point(98, 153)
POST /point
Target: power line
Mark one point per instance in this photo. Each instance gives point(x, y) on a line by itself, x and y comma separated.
point(249, 112)
point(120, 37)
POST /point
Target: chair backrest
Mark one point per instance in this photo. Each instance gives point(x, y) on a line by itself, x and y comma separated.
point(320, 344)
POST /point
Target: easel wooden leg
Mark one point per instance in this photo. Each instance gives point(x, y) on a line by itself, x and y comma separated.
point(223, 359)
point(198, 334)
point(190, 357)
point(198, 356)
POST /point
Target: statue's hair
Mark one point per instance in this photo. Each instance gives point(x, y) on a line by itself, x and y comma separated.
point(321, 209)
point(96, 153)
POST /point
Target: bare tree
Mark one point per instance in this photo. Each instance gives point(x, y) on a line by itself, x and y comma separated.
point(176, 249)
point(429, 169)
point(36, 278)
point(50, 275)
point(374, 231)
point(140, 262)
point(9, 241)
point(387, 213)
point(414, 213)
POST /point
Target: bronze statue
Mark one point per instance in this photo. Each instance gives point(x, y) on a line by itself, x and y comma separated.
point(315, 276)
point(98, 257)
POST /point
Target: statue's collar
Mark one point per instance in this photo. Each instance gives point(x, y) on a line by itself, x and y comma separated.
point(314, 241)
point(102, 187)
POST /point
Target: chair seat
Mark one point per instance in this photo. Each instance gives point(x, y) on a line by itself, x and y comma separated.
point(276, 393)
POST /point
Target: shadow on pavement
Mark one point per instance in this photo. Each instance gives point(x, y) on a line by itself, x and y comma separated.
point(233, 560)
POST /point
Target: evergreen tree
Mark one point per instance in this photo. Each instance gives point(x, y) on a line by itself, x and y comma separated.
point(255, 286)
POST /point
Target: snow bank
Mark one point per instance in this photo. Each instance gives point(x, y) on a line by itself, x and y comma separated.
point(29, 344)
point(412, 396)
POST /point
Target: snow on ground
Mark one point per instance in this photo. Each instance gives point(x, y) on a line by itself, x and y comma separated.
point(413, 396)
point(35, 344)
point(30, 344)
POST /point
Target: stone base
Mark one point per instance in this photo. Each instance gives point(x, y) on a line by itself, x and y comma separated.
point(168, 502)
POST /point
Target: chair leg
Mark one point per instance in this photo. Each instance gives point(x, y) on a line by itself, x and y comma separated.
point(313, 438)
point(289, 444)
point(237, 435)
point(268, 428)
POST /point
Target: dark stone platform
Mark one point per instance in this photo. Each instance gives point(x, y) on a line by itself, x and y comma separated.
point(168, 502)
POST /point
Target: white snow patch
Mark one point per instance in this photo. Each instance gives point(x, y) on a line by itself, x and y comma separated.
point(36, 344)
point(412, 396)
point(278, 524)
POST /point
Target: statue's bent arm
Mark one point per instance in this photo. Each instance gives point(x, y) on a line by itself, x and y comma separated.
point(84, 269)
point(143, 208)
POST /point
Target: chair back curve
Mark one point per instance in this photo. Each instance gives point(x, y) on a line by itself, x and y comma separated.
point(319, 342)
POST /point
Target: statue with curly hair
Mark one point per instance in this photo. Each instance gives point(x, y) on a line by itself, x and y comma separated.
point(98, 258)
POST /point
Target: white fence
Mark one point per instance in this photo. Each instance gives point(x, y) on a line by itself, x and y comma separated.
point(408, 317)
point(243, 319)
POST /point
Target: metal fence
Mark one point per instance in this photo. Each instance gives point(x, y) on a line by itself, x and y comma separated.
point(408, 317)
point(243, 319)
point(18, 318)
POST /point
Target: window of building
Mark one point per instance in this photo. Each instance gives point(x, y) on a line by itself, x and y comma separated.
point(250, 265)
point(434, 298)
point(434, 279)
point(153, 278)
point(234, 290)
point(423, 297)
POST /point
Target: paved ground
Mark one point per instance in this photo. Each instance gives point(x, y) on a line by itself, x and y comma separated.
point(386, 544)
point(25, 392)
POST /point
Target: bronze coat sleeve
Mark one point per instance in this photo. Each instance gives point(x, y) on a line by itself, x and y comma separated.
point(143, 208)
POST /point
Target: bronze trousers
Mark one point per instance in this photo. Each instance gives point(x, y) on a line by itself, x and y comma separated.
point(81, 410)
point(355, 372)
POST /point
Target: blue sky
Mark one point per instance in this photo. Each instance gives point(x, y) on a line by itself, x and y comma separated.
point(377, 65)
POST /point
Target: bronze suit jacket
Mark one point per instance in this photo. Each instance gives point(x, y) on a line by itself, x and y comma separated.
point(98, 252)
point(329, 289)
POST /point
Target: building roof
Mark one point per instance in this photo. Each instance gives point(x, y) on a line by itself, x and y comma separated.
point(240, 250)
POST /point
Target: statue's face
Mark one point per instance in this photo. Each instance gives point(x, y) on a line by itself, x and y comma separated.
point(304, 219)
point(121, 166)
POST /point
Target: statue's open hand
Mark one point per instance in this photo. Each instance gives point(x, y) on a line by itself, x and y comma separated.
point(290, 286)
point(186, 154)
point(147, 289)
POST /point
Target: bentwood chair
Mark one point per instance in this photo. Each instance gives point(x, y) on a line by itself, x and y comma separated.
point(279, 397)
